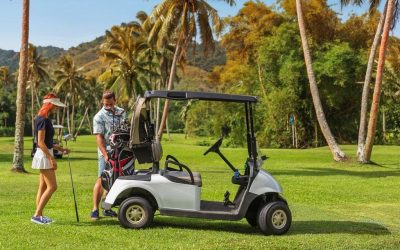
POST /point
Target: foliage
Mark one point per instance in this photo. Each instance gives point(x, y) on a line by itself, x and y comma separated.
point(177, 21)
point(259, 54)
point(127, 73)
point(272, 67)
point(321, 21)
point(254, 21)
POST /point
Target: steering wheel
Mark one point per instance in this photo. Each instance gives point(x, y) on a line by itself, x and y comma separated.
point(215, 147)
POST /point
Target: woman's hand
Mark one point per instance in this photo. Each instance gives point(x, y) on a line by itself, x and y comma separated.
point(65, 151)
point(53, 163)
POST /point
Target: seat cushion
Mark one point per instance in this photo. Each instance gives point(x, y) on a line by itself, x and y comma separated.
point(183, 177)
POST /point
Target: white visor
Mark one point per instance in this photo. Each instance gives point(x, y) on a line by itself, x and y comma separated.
point(55, 101)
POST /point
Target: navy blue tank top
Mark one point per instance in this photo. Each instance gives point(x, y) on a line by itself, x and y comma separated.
point(42, 123)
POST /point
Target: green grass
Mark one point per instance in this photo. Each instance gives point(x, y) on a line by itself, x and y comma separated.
point(334, 205)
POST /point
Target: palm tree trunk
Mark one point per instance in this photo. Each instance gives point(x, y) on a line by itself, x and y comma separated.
point(158, 107)
point(169, 87)
point(68, 121)
point(18, 161)
point(260, 79)
point(365, 93)
point(338, 154)
point(72, 119)
point(32, 108)
point(384, 125)
point(90, 124)
point(37, 98)
point(81, 123)
point(63, 115)
point(378, 83)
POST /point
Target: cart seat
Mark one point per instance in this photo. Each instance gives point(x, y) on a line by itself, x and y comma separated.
point(183, 177)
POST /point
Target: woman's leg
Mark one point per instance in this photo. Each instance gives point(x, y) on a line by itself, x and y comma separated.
point(49, 177)
point(42, 188)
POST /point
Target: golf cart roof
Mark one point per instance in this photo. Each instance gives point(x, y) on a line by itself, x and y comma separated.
point(187, 95)
point(58, 126)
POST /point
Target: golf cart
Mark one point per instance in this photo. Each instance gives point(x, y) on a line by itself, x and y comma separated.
point(175, 190)
point(57, 154)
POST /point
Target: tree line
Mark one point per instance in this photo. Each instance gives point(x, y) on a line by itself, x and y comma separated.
point(304, 63)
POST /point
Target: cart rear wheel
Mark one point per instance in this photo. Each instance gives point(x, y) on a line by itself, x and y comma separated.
point(274, 218)
point(135, 212)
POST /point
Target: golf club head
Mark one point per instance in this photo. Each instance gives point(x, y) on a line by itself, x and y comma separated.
point(68, 137)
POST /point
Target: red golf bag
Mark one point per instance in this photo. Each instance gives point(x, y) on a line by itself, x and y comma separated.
point(121, 160)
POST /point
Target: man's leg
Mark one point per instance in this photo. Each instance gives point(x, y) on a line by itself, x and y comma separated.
point(98, 189)
point(97, 194)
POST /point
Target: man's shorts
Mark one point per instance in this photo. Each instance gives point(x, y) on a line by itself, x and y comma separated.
point(102, 165)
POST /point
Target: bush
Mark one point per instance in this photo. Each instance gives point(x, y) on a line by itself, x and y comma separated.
point(7, 131)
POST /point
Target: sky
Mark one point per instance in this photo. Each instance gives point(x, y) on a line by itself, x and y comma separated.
point(67, 23)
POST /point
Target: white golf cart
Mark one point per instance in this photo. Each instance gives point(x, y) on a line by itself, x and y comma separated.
point(175, 190)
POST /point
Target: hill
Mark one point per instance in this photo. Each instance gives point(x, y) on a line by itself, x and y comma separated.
point(195, 76)
point(85, 54)
point(9, 58)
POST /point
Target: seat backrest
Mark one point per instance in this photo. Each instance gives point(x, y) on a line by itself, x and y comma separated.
point(143, 141)
point(139, 130)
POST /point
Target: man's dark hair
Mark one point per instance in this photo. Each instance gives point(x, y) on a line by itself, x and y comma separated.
point(107, 94)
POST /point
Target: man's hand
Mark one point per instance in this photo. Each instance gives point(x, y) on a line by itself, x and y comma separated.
point(100, 143)
point(105, 156)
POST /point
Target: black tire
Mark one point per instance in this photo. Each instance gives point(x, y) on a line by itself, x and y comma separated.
point(274, 218)
point(251, 218)
point(135, 212)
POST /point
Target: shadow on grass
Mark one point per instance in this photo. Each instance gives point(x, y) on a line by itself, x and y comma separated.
point(333, 171)
point(78, 158)
point(297, 228)
point(328, 227)
point(8, 158)
point(85, 151)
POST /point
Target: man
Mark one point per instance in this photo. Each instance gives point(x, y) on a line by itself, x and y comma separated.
point(104, 122)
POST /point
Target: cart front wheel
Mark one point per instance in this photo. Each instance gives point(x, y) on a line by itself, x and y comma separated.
point(274, 218)
point(135, 212)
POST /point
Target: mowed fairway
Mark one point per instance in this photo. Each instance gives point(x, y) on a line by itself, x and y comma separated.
point(334, 205)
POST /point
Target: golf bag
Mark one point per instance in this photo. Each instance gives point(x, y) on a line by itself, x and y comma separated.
point(121, 158)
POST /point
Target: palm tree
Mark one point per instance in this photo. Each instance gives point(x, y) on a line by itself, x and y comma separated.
point(177, 21)
point(365, 93)
point(69, 79)
point(158, 60)
point(18, 161)
point(93, 91)
point(4, 76)
point(338, 154)
point(37, 73)
point(391, 4)
point(122, 49)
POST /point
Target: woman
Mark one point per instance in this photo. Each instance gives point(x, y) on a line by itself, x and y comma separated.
point(44, 158)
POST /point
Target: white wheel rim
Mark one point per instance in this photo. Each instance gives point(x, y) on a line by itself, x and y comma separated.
point(279, 219)
point(135, 214)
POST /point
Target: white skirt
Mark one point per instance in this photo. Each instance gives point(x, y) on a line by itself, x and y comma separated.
point(40, 161)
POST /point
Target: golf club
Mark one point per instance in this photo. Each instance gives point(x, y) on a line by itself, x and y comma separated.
point(68, 137)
